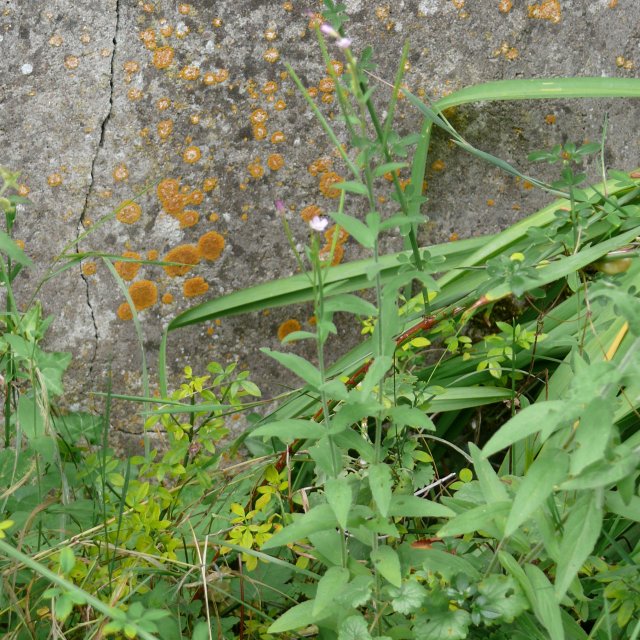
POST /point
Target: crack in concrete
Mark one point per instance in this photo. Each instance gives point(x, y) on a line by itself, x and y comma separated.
point(83, 214)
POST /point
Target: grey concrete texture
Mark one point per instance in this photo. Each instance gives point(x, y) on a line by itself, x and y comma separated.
point(104, 102)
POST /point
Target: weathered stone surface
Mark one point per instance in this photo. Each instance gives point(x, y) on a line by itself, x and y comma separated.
point(101, 102)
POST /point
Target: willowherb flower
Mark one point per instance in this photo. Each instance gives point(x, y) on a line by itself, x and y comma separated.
point(318, 224)
point(280, 208)
point(328, 30)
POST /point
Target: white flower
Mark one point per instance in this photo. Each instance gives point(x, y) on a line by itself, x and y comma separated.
point(318, 224)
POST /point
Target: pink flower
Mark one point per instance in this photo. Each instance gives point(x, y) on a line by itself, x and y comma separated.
point(342, 43)
point(318, 224)
point(280, 208)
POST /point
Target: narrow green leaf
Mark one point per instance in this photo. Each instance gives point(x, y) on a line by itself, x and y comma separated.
point(616, 504)
point(329, 587)
point(352, 187)
point(319, 518)
point(592, 434)
point(511, 565)
point(492, 488)
point(388, 167)
point(288, 430)
point(381, 483)
point(13, 251)
point(387, 563)
point(295, 618)
point(525, 423)
point(447, 565)
point(408, 506)
point(360, 232)
point(301, 367)
point(474, 519)
point(403, 415)
point(549, 469)
point(339, 496)
point(456, 398)
point(546, 608)
point(374, 376)
point(348, 303)
point(581, 532)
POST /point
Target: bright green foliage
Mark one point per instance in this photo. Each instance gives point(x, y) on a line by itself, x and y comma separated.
point(469, 470)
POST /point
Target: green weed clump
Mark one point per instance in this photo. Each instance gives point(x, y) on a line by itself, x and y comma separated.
point(469, 470)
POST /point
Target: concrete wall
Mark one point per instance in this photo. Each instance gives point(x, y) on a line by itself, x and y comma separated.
point(101, 101)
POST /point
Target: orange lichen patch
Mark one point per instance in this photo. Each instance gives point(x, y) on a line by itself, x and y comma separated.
point(167, 188)
point(120, 172)
point(527, 185)
point(163, 57)
point(288, 6)
point(504, 6)
point(152, 254)
point(214, 217)
point(165, 129)
point(458, 4)
point(186, 254)
point(271, 55)
point(327, 98)
point(438, 165)
point(184, 9)
point(166, 30)
point(491, 202)
point(275, 162)
point(191, 155)
point(144, 294)
point(336, 66)
point(321, 165)
point(453, 237)
point(20, 244)
point(327, 85)
point(194, 287)
point(167, 298)
point(325, 254)
point(54, 180)
point(210, 245)
point(124, 311)
point(209, 331)
point(255, 168)
point(310, 212)
point(194, 118)
point(547, 10)
point(216, 22)
point(128, 270)
point(270, 34)
point(259, 132)
point(313, 91)
point(327, 180)
point(287, 327)
point(209, 184)
point(129, 213)
point(188, 219)
point(134, 94)
point(259, 116)
point(270, 87)
point(23, 190)
point(343, 236)
point(510, 53)
point(624, 63)
point(148, 37)
point(56, 40)
point(280, 105)
point(148, 7)
point(613, 4)
point(190, 73)
point(72, 62)
point(315, 20)
point(195, 197)
point(550, 118)
point(163, 104)
point(89, 268)
point(131, 66)
point(278, 137)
